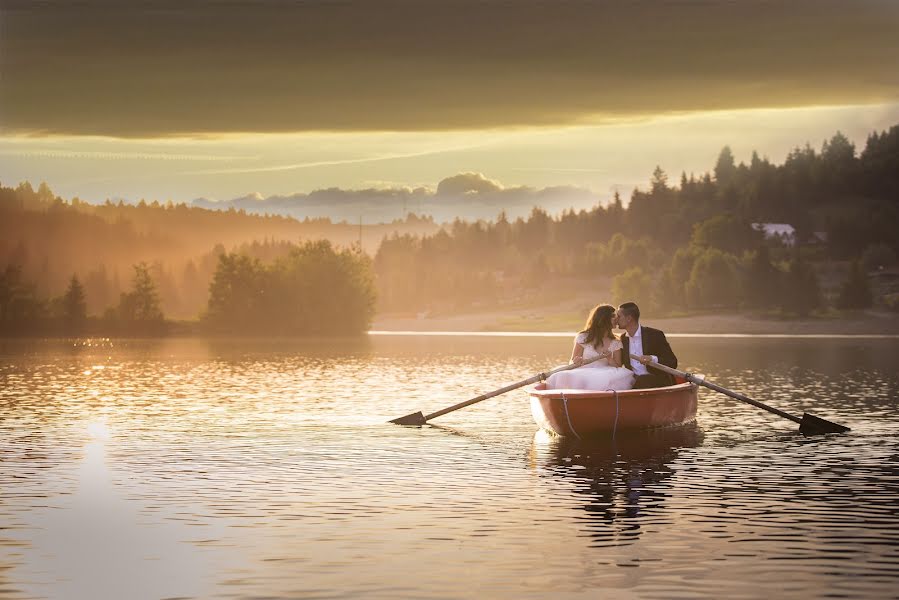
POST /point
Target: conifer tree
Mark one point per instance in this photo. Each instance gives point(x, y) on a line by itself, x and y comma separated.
point(725, 167)
point(74, 305)
point(762, 280)
point(802, 293)
point(855, 292)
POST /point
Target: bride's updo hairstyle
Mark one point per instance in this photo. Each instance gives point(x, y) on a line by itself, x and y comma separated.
point(599, 324)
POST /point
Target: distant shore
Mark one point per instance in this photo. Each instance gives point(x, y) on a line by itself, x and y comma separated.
point(860, 323)
point(533, 320)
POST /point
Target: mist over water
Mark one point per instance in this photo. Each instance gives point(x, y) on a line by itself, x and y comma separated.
point(235, 468)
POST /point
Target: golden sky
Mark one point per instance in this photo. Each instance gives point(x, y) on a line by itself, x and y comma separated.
point(219, 99)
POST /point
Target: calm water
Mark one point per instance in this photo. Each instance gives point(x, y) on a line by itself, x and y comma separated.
point(191, 468)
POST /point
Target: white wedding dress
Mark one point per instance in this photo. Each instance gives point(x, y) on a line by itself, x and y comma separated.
point(598, 375)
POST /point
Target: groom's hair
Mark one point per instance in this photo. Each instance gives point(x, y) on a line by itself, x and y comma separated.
point(630, 309)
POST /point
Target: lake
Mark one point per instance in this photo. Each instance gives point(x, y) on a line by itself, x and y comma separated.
point(255, 469)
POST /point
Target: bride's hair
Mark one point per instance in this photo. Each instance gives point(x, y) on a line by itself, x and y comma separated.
point(599, 324)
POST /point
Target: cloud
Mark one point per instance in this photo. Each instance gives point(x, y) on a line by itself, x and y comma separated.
point(466, 195)
point(467, 183)
point(161, 70)
point(97, 155)
point(332, 163)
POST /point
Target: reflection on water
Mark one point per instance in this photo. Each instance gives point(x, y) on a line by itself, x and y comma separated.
point(192, 468)
point(623, 480)
point(94, 543)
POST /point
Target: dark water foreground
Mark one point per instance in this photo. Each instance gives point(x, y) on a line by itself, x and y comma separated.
point(191, 468)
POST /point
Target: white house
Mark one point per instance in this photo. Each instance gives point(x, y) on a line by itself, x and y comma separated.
point(784, 231)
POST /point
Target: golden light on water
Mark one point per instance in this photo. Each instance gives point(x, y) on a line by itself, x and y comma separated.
point(205, 468)
point(98, 431)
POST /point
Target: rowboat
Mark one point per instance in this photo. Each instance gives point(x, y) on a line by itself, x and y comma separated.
point(582, 413)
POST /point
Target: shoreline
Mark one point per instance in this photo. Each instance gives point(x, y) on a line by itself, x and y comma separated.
point(864, 324)
point(868, 323)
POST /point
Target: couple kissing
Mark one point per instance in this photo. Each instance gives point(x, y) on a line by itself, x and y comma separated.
point(615, 367)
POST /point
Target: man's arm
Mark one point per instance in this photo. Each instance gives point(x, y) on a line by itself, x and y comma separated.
point(665, 353)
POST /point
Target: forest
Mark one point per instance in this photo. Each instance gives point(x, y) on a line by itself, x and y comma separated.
point(702, 243)
point(695, 245)
point(46, 240)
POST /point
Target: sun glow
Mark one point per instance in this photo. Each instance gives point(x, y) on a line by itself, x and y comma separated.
point(602, 156)
point(98, 431)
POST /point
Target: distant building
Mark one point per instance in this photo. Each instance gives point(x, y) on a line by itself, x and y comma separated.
point(785, 232)
point(818, 237)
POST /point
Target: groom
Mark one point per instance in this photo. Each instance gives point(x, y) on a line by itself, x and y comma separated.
point(648, 344)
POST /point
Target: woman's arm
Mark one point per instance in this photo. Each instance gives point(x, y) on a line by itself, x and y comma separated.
point(615, 348)
point(577, 354)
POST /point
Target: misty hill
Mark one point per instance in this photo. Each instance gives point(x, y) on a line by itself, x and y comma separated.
point(52, 239)
point(693, 245)
point(482, 198)
point(698, 244)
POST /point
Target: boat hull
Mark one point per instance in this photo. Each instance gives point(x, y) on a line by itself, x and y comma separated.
point(582, 413)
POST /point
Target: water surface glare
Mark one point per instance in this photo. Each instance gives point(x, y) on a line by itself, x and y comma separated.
point(250, 469)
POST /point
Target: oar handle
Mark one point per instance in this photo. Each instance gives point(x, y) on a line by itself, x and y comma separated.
point(509, 388)
point(714, 386)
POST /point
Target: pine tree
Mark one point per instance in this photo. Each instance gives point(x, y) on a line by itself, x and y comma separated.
point(725, 168)
point(74, 306)
point(802, 292)
point(146, 296)
point(855, 292)
point(762, 280)
point(659, 180)
point(140, 306)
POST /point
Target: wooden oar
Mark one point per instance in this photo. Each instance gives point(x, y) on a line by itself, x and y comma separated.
point(808, 424)
point(420, 419)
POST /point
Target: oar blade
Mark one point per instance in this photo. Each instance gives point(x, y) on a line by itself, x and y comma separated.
point(812, 425)
point(414, 419)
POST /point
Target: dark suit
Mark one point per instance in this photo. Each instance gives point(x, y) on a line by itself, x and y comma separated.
point(655, 343)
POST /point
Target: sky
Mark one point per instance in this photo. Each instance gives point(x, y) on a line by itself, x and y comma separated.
point(563, 102)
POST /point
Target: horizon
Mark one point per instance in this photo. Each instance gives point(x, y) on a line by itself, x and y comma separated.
point(352, 98)
point(470, 195)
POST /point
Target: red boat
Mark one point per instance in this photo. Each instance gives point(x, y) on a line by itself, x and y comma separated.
point(582, 413)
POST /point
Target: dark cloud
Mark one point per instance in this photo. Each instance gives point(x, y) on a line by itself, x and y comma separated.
point(466, 195)
point(160, 69)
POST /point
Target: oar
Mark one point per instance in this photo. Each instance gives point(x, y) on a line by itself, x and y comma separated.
point(420, 419)
point(808, 424)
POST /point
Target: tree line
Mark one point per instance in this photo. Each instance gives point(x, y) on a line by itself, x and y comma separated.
point(690, 246)
point(71, 266)
point(51, 238)
point(308, 289)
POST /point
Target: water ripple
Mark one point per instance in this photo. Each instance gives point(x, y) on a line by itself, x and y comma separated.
point(187, 468)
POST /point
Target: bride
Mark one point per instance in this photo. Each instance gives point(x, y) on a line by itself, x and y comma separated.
point(595, 340)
